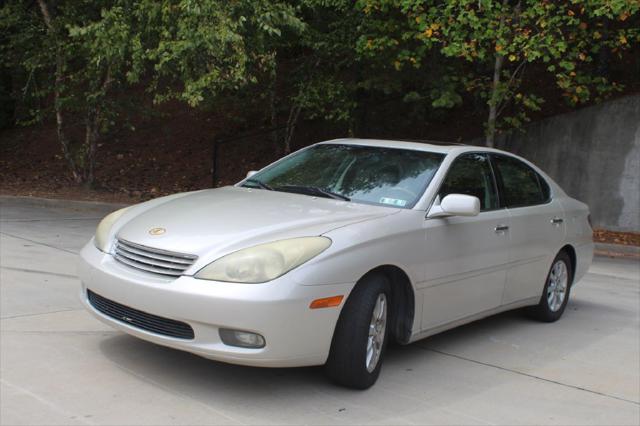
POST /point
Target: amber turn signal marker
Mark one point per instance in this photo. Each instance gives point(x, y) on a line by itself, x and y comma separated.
point(326, 302)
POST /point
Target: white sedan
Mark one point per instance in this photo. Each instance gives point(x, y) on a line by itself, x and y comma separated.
point(325, 255)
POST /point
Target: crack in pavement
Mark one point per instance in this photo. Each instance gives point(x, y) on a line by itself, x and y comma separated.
point(486, 364)
point(40, 313)
point(44, 400)
point(177, 393)
point(38, 242)
point(36, 271)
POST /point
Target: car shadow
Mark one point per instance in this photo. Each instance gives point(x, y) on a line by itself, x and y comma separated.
point(165, 365)
point(417, 366)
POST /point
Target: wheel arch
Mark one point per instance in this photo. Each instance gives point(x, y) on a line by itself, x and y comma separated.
point(403, 299)
point(571, 252)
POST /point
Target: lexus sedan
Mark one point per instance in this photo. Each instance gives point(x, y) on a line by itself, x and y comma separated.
point(326, 255)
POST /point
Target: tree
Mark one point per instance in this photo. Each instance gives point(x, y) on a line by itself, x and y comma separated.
point(178, 49)
point(77, 52)
point(500, 39)
point(334, 75)
point(316, 65)
point(336, 60)
point(198, 49)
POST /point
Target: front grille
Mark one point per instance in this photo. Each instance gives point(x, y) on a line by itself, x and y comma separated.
point(152, 260)
point(139, 319)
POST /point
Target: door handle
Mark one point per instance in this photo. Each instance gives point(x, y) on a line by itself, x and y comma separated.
point(557, 220)
point(501, 228)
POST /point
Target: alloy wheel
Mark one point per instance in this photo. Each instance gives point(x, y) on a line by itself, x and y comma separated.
point(557, 287)
point(377, 329)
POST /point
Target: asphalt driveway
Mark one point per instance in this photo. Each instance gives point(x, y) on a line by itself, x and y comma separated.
point(58, 365)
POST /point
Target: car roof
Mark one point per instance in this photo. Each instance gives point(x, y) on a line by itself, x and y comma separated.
point(429, 146)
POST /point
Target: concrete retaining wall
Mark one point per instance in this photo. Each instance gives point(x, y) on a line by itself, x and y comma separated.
point(594, 154)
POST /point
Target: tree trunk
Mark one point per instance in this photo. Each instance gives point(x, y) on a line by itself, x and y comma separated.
point(62, 138)
point(493, 102)
point(294, 113)
point(92, 133)
point(274, 135)
point(90, 144)
point(59, 76)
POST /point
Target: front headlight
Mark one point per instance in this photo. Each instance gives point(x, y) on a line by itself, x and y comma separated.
point(101, 239)
point(264, 262)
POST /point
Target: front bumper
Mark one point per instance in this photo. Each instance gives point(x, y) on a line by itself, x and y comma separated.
point(279, 311)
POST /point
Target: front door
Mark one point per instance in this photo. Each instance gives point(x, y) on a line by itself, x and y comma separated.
point(465, 257)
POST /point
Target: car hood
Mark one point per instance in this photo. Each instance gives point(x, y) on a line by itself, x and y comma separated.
point(217, 221)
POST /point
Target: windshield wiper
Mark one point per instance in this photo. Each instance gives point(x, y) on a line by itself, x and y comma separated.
point(312, 190)
point(260, 184)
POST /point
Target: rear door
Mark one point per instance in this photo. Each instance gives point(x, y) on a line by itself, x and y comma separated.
point(537, 228)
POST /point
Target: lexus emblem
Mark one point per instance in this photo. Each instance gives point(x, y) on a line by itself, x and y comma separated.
point(157, 231)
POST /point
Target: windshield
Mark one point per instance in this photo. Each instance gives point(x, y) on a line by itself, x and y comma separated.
point(366, 174)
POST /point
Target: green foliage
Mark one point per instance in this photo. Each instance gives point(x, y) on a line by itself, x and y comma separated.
point(335, 60)
point(564, 38)
point(26, 48)
point(199, 48)
point(323, 77)
point(87, 53)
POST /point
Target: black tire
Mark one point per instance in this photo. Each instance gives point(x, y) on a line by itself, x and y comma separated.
point(543, 311)
point(347, 363)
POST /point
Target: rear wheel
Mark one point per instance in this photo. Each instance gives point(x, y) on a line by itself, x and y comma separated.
point(556, 290)
point(361, 334)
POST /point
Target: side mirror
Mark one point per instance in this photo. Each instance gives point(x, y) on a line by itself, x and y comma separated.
point(251, 173)
point(456, 205)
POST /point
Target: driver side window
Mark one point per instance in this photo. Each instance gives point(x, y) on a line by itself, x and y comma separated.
point(471, 174)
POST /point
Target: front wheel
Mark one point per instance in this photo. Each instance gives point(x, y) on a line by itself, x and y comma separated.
point(361, 335)
point(556, 290)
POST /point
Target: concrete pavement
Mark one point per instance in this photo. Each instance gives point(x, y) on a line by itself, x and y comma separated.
point(60, 366)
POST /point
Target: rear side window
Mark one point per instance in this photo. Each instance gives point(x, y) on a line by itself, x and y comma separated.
point(521, 185)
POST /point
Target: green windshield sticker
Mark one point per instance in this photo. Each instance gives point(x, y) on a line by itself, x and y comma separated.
point(393, 201)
